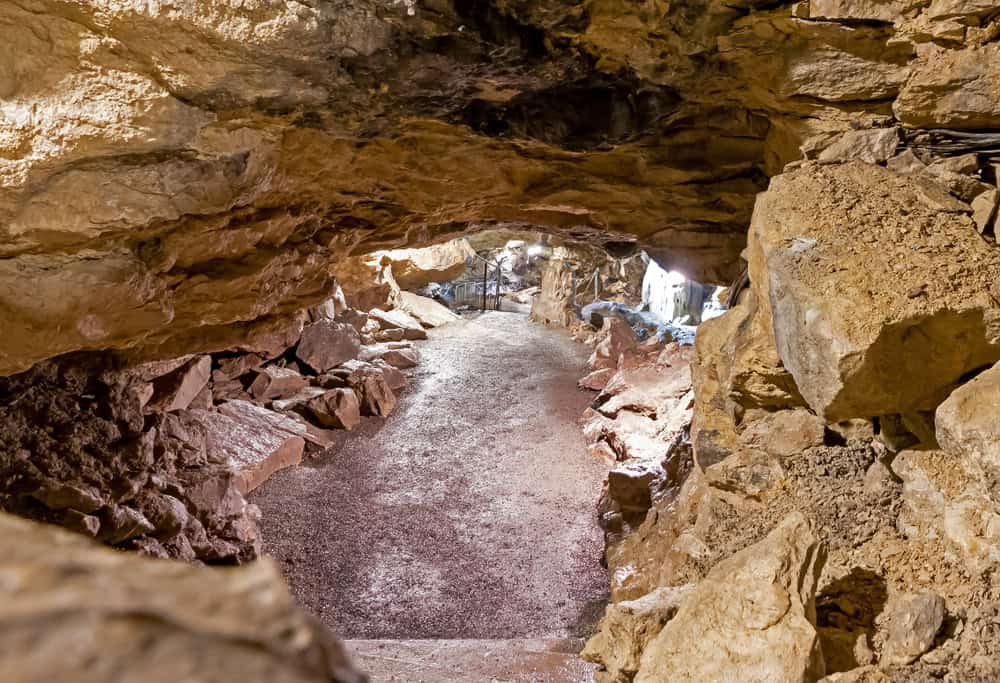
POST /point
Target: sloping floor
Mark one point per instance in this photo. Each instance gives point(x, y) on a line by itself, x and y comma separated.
point(467, 515)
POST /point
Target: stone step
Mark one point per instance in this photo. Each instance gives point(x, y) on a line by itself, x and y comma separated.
point(472, 661)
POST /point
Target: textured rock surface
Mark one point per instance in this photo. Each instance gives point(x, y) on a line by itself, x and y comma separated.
point(240, 149)
point(125, 618)
point(627, 628)
point(881, 294)
point(965, 424)
point(751, 619)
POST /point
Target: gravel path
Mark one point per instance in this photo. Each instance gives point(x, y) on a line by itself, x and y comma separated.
point(468, 513)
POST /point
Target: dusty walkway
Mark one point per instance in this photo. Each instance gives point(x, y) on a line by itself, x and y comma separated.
point(468, 514)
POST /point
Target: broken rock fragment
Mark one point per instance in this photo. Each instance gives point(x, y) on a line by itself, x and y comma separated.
point(628, 626)
point(338, 408)
point(914, 621)
point(177, 390)
point(275, 382)
point(880, 295)
point(253, 441)
point(752, 618)
point(325, 345)
point(399, 319)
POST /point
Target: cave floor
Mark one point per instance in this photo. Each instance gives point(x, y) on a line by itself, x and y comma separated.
point(467, 515)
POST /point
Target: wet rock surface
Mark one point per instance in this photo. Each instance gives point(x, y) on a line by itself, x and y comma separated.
point(414, 524)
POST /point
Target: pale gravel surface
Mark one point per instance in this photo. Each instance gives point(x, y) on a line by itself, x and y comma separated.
point(468, 513)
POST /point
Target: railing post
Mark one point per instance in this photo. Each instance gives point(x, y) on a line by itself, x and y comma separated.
point(485, 274)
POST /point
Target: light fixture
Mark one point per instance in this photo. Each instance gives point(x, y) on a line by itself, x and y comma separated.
point(535, 249)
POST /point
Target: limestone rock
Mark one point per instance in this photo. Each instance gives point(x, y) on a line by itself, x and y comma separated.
point(367, 281)
point(630, 488)
point(946, 496)
point(953, 89)
point(751, 619)
point(234, 367)
point(400, 319)
point(984, 209)
point(872, 313)
point(871, 146)
point(400, 358)
point(57, 495)
point(427, 311)
point(785, 433)
point(627, 628)
point(416, 268)
point(377, 398)
point(613, 339)
point(114, 604)
point(325, 345)
point(337, 408)
point(245, 437)
point(914, 621)
point(596, 380)
point(176, 390)
point(736, 367)
point(393, 375)
point(276, 382)
point(966, 423)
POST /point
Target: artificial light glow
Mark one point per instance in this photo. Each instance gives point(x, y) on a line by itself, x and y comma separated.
point(535, 249)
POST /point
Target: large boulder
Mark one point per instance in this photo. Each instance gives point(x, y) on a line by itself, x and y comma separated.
point(127, 618)
point(326, 344)
point(967, 424)
point(416, 268)
point(945, 496)
point(428, 311)
point(736, 368)
point(752, 619)
point(879, 288)
point(628, 627)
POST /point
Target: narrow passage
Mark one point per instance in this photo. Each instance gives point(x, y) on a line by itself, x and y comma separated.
point(468, 514)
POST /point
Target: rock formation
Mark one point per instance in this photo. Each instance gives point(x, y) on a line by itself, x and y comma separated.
point(182, 183)
point(91, 615)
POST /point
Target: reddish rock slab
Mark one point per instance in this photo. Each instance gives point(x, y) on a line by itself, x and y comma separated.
point(337, 408)
point(273, 382)
point(597, 380)
point(176, 390)
point(253, 441)
point(325, 345)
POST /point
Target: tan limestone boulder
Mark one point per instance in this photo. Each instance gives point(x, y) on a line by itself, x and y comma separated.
point(953, 89)
point(736, 367)
point(966, 424)
point(914, 621)
point(945, 497)
point(366, 282)
point(627, 628)
point(416, 268)
point(127, 618)
point(880, 291)
point(751, 619)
